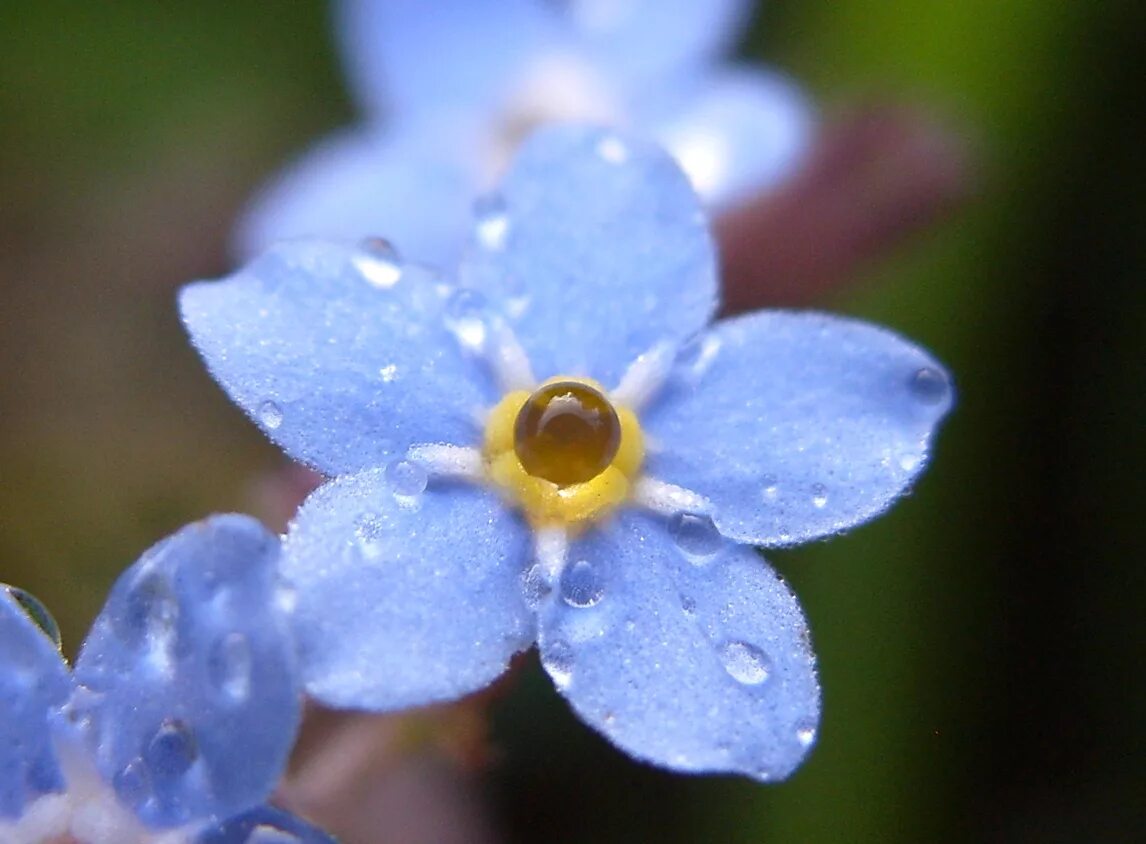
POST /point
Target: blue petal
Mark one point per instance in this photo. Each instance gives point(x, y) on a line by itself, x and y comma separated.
point(264, 825)
point(796, 425)
point(358, 184)
point(404, 56)
point(407, 594)
point(640, 40)
point(33, 680)
point(689, 653)
point(604, 253)
point(342, 356)
point(734, 133)
point(189, 697)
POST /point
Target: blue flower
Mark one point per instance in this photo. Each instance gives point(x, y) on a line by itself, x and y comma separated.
point(560, 451)
point(449, 88)
point(176, 723)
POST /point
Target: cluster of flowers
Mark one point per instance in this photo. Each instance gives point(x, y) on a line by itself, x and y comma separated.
point(543, 441)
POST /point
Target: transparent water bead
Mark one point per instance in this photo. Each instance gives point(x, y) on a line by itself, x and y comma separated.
point(491, 222)
point(558, 660)
point(270, 415)
point(229, 666)
point(695, 535)
point(566, 433)
point(581, 585)
point(171, 751)
point(467, 316)
point(150, 612)
point(535, 586)
point(746, 663)
point(34, 608)
point(929, 385)
point(406, 478)
point(379, 263)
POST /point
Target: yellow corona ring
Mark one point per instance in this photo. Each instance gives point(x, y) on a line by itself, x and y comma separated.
point(564, 453)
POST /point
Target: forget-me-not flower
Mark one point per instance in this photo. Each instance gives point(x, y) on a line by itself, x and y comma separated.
point(176, 722)
point(450, 87)
point(559, 449)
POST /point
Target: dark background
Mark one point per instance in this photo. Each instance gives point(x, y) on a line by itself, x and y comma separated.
point(981, 648)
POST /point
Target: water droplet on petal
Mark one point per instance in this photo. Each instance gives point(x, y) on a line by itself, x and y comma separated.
point(929, 385)
point(805, 733)
point(491, 222)
point(745, 663)
point(34, 608)
point(819, 495)
point(267, 834)
point(688, 606)
point(229, 666)
point(171, 751)
point(132, 784)
point(379, 263)
point(771, 487)
point(910, 462)
point(406, 478)
point(388, 373)
point(467, 316)
point(149, 612)
point(696, 356)
point(581, 585)
point(557, 657)
point(695, 535)
point(535, 586)
point(270, 415)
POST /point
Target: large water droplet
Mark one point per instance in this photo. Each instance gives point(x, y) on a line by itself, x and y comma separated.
point(229, 666)
point(805, 733)
point(467, 315)
point(270, 415)
point(379, 262)
point(745, 663)
point(535, 586)
point(695, 535)
point(819, 495)
point(406, 478)
point(929, 385)
point(581, 585)
point(557, 657)
point(491, 222)
point(171, 751)
point(34, 608)
point(150, 611)
point(132, 783)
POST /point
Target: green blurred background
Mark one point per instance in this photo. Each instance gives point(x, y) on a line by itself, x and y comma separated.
point(981, 649)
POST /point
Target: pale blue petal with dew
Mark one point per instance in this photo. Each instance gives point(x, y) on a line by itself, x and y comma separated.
point(407, 594)
point(187, 690)
point(683, 649)
point(33, 680)
point(342, 355)
point(735, 132)
point(411, 187)
point(264, 825)
point(597, 249)
point(795, 426)
point(641, 41)
point(405, 56)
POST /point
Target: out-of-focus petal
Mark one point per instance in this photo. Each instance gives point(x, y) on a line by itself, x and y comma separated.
point(686, 651)
point(597, 249)
point(33, 680)
point(640, 40)
point(187, 691)
point(796, 425)
point(407, 594)
point(405, 56)
point(363, 183)
point(264, 825)
point(341, 355)
point(734, 133)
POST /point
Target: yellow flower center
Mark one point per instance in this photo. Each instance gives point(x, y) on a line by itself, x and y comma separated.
point(564, 453)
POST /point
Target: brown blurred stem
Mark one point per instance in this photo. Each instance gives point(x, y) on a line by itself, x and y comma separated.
point(875, 178)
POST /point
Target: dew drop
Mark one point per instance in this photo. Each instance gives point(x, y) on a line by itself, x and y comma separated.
point(267, 834)
point(771, 487)
point(697, 356)
point(491, 224)
point(581, 585)
point(695, 535)
point(929, 385)
point(270, 415)
point(746, 663)
point(535, 587)
point(379, 263)
point(34, 608)
point(171, 751)
point(406, 478)
point(909, 462)
point(388, 373)
point(132, 783)
point(558, 660)
point(805, 733)
point(819, 495)
point(467, 315)
point(229, 666)
point(150, 611)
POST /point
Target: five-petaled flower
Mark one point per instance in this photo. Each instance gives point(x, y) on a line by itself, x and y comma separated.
point(450, 87)
point(176, 723)
point(558, 449)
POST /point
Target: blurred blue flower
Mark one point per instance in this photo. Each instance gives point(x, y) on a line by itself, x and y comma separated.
point(449, 88)
point(176, 723)
point(490, 491)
